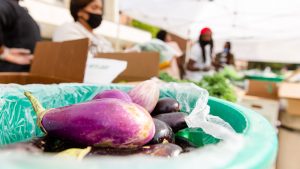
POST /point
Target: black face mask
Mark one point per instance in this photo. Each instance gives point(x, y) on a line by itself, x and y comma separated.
point(94, 20)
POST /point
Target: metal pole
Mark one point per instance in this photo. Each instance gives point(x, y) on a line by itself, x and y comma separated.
point(117, 13)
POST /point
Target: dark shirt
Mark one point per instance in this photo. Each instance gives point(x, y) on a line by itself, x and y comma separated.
point(17, 30)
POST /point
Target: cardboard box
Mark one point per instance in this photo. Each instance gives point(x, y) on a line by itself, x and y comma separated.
point(266, 107)
point(27, 78)
point(289, 139)
point(66, 62)
point(289, 150)
point(181, 42)
point(294, 77)
point(291, 93)
point(141, 66)
point(290, 121)
point(265, 89)
point(53, 63)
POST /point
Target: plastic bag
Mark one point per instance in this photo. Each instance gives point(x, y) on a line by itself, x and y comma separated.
point(155, 45)
point(17, 118)
point(17, 123)
point(195, 103)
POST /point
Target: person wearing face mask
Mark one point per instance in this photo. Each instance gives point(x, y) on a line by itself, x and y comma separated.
point(18, 36)
point(224, 58)
point(200, 57)
point(87, 15)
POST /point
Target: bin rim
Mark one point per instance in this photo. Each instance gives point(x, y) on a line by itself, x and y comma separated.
point(261, 148)
point(263, 78)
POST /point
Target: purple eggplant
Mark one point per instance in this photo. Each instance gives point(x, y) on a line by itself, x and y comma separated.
point(163, 150)
point(104, 123)
point(166, 105)
point(114, 94)
point(145, 94)
point(163, 132)
point(175, 120)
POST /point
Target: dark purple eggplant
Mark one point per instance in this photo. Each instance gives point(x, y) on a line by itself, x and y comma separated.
point(175, 120)
point(163, 132)
point(166, 105)
point(163, 150)
point(105, 123)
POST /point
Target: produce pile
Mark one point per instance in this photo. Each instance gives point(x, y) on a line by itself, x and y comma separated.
point(112, 123)
point(217, 85)
point(230, 73)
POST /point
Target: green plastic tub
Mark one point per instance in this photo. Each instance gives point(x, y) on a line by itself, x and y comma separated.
point(263, 78)
point(18, 124)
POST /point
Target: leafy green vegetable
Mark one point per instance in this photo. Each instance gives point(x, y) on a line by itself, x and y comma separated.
point(230, 73)
point(217, 85)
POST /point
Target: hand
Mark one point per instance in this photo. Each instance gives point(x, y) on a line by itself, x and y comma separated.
point(19, 51)
point(206, 69)
point(18, 56)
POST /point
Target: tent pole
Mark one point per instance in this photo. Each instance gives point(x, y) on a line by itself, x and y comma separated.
point(188, 46)
point(118, 46)
point(118, 43)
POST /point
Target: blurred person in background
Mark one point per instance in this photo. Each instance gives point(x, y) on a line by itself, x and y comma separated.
point(200, 61)
point(178, 61)
point(224, 58)
point(88, 15)
point(18, 36)
point(167, 38)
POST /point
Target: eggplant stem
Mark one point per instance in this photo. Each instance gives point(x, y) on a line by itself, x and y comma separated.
point(38, 108)
point(79, 154)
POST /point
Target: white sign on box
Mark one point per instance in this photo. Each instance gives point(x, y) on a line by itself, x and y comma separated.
point(103, 71)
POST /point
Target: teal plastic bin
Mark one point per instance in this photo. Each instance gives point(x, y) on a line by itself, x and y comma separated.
point(263, 78)
point(18, 124)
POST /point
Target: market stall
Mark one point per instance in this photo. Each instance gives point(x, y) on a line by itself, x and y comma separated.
point(81, 108)
point(253, 27)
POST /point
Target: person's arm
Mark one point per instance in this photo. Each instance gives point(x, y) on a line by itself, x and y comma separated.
point(216, 62)
point(17, 56)
point(7, 20)
point(191, 66)
point(193, 56)
point(231, 60)
point(1, 52)
point(180, 63)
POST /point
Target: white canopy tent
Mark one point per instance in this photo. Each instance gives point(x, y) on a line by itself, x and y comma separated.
point(260, 30)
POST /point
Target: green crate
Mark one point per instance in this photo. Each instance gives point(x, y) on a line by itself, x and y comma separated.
point(263, 78)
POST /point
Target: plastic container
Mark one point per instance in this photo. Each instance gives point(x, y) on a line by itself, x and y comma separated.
point(263, 78)
point(258, 151)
